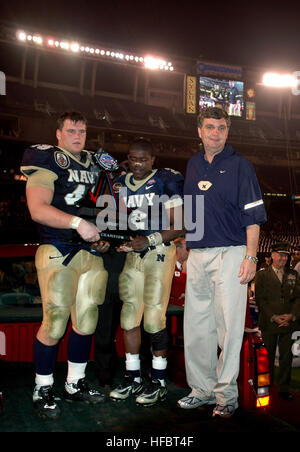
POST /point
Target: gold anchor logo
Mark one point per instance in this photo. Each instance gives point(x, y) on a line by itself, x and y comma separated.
point(204, 185)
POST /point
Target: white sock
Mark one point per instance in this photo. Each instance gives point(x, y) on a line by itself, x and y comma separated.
point(43, 380)
point(133, 363)
point(159, 363)
point(76, 371)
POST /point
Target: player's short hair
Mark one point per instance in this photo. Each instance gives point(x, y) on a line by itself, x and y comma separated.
point(74, 116)
point(213, 113)
point(141, 144)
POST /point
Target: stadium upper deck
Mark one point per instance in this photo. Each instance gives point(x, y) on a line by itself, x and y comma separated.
point(123, 96)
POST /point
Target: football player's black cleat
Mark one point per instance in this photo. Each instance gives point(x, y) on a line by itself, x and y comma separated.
point(81, 392)
point(44, 403)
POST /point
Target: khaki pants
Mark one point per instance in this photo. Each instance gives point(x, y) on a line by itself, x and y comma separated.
point(215, 307)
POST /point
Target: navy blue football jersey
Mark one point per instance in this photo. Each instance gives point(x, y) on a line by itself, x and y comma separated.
point(69, 177)
point(147, 201)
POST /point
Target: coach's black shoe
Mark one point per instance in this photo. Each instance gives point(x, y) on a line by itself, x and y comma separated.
point(81, 392)
point(44, 403)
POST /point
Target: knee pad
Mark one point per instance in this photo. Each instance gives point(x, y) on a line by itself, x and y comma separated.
point(55, 321)
point(129, 318)
point(90, 294)
point(86, 319)
point(160, 340)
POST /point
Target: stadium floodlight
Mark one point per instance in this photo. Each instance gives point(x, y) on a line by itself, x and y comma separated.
point(21, 36)
point(154, 63)
point(64, 45)
point(75, 47)
point(148, 62)
point(37, 39)
point(276, 80)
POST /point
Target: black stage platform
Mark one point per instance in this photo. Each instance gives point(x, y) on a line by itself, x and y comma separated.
point(113, 418)
point(120, 417)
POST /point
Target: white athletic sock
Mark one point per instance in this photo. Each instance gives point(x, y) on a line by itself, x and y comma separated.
point(76, 371)
point(43, 380)
point(133, 365)
point(159, 365)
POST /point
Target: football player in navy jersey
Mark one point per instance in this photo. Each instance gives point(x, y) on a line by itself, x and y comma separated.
point(154, 199)
point(71, 275)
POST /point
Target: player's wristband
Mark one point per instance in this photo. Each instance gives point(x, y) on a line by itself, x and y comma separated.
point(74, 223)
point(155, 239)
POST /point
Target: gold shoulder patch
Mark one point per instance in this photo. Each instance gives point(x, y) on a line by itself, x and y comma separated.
point(204, 185)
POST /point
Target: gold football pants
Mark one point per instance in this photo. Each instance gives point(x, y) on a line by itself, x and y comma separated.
point(74, 289)
point(145, 285)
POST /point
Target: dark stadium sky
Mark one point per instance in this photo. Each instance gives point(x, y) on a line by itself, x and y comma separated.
point(259, 34)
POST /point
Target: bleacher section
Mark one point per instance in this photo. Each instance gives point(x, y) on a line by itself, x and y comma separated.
point(115, 114)
point(125, 115)
point(267, 131)
point(267, 240)
point(275, 179)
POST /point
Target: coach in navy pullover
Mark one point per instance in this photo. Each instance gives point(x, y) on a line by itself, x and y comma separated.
point(231, 203)
point(223, 242)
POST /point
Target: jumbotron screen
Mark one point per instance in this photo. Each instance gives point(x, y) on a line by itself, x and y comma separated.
point(229, 94)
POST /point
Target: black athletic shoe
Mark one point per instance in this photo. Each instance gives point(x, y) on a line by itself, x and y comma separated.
point(127, 387)
point(81, 392)
point(44, 403)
